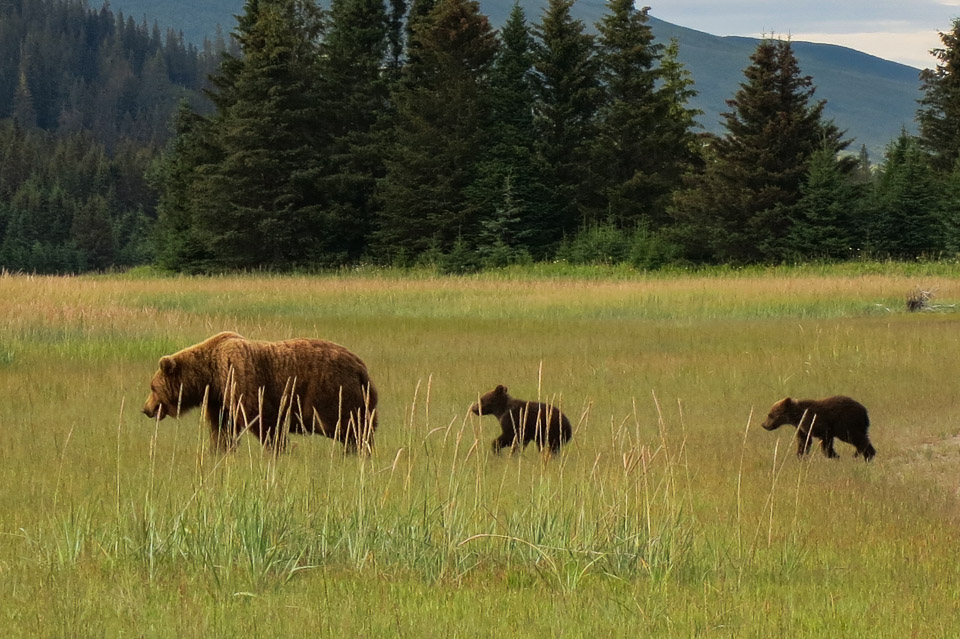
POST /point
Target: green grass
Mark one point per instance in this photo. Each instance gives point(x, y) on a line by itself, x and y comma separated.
point(670, 514)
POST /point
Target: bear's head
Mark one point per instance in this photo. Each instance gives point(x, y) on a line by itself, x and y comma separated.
point(166, 389)
point(780, 413)
point(492, 403)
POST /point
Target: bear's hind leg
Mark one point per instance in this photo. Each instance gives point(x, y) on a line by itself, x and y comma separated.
point(826, 445)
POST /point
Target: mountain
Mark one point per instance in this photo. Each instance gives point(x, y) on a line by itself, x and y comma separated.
point(871, 98)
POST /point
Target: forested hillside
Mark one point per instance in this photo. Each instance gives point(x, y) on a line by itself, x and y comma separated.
point(86, 98)
point(376, 132)
point(870, 98)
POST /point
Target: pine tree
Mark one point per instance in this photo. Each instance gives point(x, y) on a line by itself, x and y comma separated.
point(441, 122)
point(355, 94)
point(23, 112)
point(679, 142)
point(826, 222)
point(500, 240)
point(258, 205)
point(510, 170)
point(626, 145)
point(181, 244)
point(939, 113)
point(93, 234)
point(951, 210)
point(906, 216)
point(645, 140)
point(741, 209)
point(417, 11)
point(398, 8)
point(863, 172)
point(566, 86)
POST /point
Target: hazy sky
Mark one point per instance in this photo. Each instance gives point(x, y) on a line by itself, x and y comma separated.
point(900, 30)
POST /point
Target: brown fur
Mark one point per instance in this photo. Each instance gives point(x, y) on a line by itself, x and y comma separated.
point(319, 386)
point(826, 419)
point(524, 422)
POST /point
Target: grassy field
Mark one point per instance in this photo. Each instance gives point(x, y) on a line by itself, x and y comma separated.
point(671, 513)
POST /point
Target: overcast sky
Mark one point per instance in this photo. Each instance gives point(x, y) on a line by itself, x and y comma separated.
point(900, 30)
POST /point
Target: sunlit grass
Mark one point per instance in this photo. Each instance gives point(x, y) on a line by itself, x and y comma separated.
point(670, 513)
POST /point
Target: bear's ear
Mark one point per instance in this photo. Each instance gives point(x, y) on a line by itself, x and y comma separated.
point(502, 389)
point(168, 364)
point(787, 402)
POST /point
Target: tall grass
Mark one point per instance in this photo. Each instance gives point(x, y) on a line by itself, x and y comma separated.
point(669, 513)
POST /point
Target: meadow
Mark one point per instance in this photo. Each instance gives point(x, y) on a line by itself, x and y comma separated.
point(670, 514)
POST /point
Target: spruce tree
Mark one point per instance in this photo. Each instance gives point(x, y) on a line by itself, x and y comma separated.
point(23, 112)
point(825, 224)
point(863, 172)
point(258, 204)
point(679, 142)
point(501, 238)
point(355, 95)
point(566, 85)
point(398, 8)
point(627, 145)
point(939, 113)
point(181, 242)
point(906, 215)
point(93, 234)
point(440, 132)
point(951, 211)
point(509, 173)
point(741, 209)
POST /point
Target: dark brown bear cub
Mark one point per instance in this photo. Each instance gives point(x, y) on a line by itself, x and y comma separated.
point(834, 417)
point(524, 422)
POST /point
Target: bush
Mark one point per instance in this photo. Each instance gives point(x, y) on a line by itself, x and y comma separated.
point(460, 260)
point(650, 250)
point(607, 244)
point(600, 244)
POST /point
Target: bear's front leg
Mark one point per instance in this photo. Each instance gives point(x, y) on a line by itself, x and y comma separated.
point(506, 440)
point(803, 443)
point(826, 445)
point(222, 437)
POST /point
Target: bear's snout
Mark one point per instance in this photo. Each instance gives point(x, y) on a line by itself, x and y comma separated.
point(153, 409)
point(475, 409)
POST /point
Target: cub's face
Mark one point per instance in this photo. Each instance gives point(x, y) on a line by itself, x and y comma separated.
point(492, 403)
point(779, 415)
point(164, 391)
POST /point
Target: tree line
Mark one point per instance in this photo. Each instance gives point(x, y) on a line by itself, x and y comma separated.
point(379, 132)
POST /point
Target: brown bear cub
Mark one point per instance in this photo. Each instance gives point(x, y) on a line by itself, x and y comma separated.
point(834, 417)
point(304, 385)
point(524, 422)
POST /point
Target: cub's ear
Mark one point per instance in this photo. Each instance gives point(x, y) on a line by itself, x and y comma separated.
point(168, 365)
point(501, 388)
point(787, 402)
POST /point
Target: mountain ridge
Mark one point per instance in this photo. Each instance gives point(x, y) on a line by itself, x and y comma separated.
point(869, 97)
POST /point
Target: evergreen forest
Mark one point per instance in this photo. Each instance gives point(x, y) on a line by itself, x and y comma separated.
point(382, 132)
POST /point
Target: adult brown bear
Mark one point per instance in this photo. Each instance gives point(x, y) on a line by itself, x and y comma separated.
point(523, 422)
point(837, 417)
point(314, 385)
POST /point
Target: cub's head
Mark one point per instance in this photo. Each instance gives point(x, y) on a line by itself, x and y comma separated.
point(492, 403)
point(165, 389)
point(780, 413)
